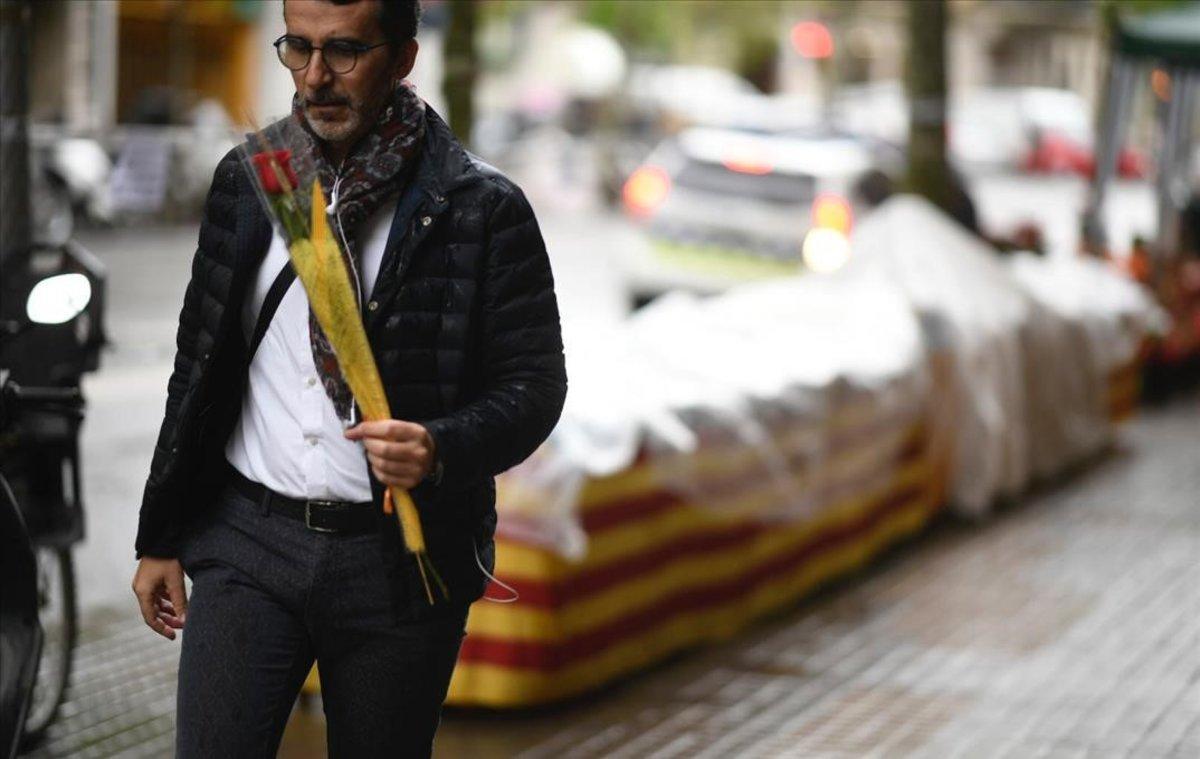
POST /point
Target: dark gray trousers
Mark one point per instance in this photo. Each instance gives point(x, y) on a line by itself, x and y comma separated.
point(269, 596)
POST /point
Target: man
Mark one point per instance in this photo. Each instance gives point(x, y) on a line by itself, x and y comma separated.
point(260, 488)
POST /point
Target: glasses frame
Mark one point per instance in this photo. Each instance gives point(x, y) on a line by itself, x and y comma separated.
point(358, 49)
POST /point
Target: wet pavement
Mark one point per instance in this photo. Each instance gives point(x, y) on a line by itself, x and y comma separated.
point(1069, 625)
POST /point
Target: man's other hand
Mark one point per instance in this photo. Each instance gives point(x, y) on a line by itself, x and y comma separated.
point(158, 585)
point(400, 453)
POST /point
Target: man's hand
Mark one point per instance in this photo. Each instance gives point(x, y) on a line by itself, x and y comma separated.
point(158, 585)
point(400, 453)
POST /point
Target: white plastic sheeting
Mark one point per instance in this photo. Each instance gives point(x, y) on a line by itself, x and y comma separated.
point(1033, 343)
point(972, 305)
point(758, 370)
point(758, 374)
point(1091, 321)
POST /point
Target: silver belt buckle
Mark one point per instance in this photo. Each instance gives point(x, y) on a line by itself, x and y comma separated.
point(308, 517)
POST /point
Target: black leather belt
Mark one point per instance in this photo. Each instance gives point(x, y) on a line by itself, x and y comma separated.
point(321, 516)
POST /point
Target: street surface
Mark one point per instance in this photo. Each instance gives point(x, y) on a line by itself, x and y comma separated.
point(1069, 624)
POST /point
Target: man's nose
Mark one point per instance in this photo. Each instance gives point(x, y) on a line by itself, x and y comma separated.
point(317, 74)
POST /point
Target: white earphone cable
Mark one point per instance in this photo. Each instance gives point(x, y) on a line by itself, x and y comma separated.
point(493, 578)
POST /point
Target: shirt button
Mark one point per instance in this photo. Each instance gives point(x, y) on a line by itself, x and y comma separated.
point(310, 381)
point(425, 221)
point(311, 440)
point(373, 305)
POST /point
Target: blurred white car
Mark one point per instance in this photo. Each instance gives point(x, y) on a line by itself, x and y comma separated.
point(684, 93)
point(680, 96)
point(990, 128)
point(721, 206)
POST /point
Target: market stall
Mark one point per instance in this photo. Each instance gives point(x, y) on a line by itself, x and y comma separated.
point(1017, 371)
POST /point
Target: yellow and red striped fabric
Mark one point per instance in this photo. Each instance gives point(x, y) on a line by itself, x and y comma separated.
point(663, 573)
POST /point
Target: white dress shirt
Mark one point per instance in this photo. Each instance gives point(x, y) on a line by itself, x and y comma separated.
point(288, 436)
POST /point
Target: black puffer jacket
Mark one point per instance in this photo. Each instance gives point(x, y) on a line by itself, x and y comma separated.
point(465, 329)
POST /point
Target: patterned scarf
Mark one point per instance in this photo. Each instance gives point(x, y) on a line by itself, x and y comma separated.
point(367, 177)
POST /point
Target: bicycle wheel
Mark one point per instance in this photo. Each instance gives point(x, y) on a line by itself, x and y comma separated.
point(57, 614)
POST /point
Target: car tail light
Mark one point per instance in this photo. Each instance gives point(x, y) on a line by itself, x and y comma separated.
point(645, 190)
point(748, 163)
point(832, 212)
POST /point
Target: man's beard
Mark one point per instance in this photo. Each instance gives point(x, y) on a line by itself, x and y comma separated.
point(334, 130)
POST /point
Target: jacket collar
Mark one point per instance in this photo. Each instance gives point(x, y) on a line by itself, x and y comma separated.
point(445, 165)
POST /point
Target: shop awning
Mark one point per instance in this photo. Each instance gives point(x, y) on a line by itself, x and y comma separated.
point(1172, 35)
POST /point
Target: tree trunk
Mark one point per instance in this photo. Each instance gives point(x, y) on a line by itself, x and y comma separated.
point(461, 67)
point(928, 172)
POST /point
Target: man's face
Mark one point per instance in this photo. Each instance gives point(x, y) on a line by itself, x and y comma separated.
point(340, 108)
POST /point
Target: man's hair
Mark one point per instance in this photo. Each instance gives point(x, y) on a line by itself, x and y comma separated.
point(397, 18)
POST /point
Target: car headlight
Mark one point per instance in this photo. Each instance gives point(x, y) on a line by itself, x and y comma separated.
point(825, 250)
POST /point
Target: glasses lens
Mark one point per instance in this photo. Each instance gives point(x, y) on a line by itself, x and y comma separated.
point(293, 53)
point(339, 57)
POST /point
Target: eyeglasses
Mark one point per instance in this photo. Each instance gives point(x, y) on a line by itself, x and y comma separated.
point(339, 56)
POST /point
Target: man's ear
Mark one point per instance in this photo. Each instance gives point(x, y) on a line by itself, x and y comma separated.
point(405, 60)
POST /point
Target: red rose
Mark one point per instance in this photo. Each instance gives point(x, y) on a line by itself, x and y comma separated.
point(269, 176)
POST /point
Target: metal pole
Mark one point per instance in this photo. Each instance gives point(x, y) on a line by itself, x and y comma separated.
point(1110, 135)
point(78, 84)
point(1175, 122)
point(15, 231)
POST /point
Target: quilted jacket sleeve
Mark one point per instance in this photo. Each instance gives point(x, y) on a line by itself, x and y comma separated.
point(158, 527)
point(155, 525)
point(524, 374)
point(156, 531)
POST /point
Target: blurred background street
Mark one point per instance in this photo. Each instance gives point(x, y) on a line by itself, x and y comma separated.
point(882, 321)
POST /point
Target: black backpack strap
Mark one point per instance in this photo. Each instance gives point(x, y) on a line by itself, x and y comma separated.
point(270, 305)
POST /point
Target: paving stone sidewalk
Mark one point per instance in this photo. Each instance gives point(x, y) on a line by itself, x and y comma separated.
point(1068, 625)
